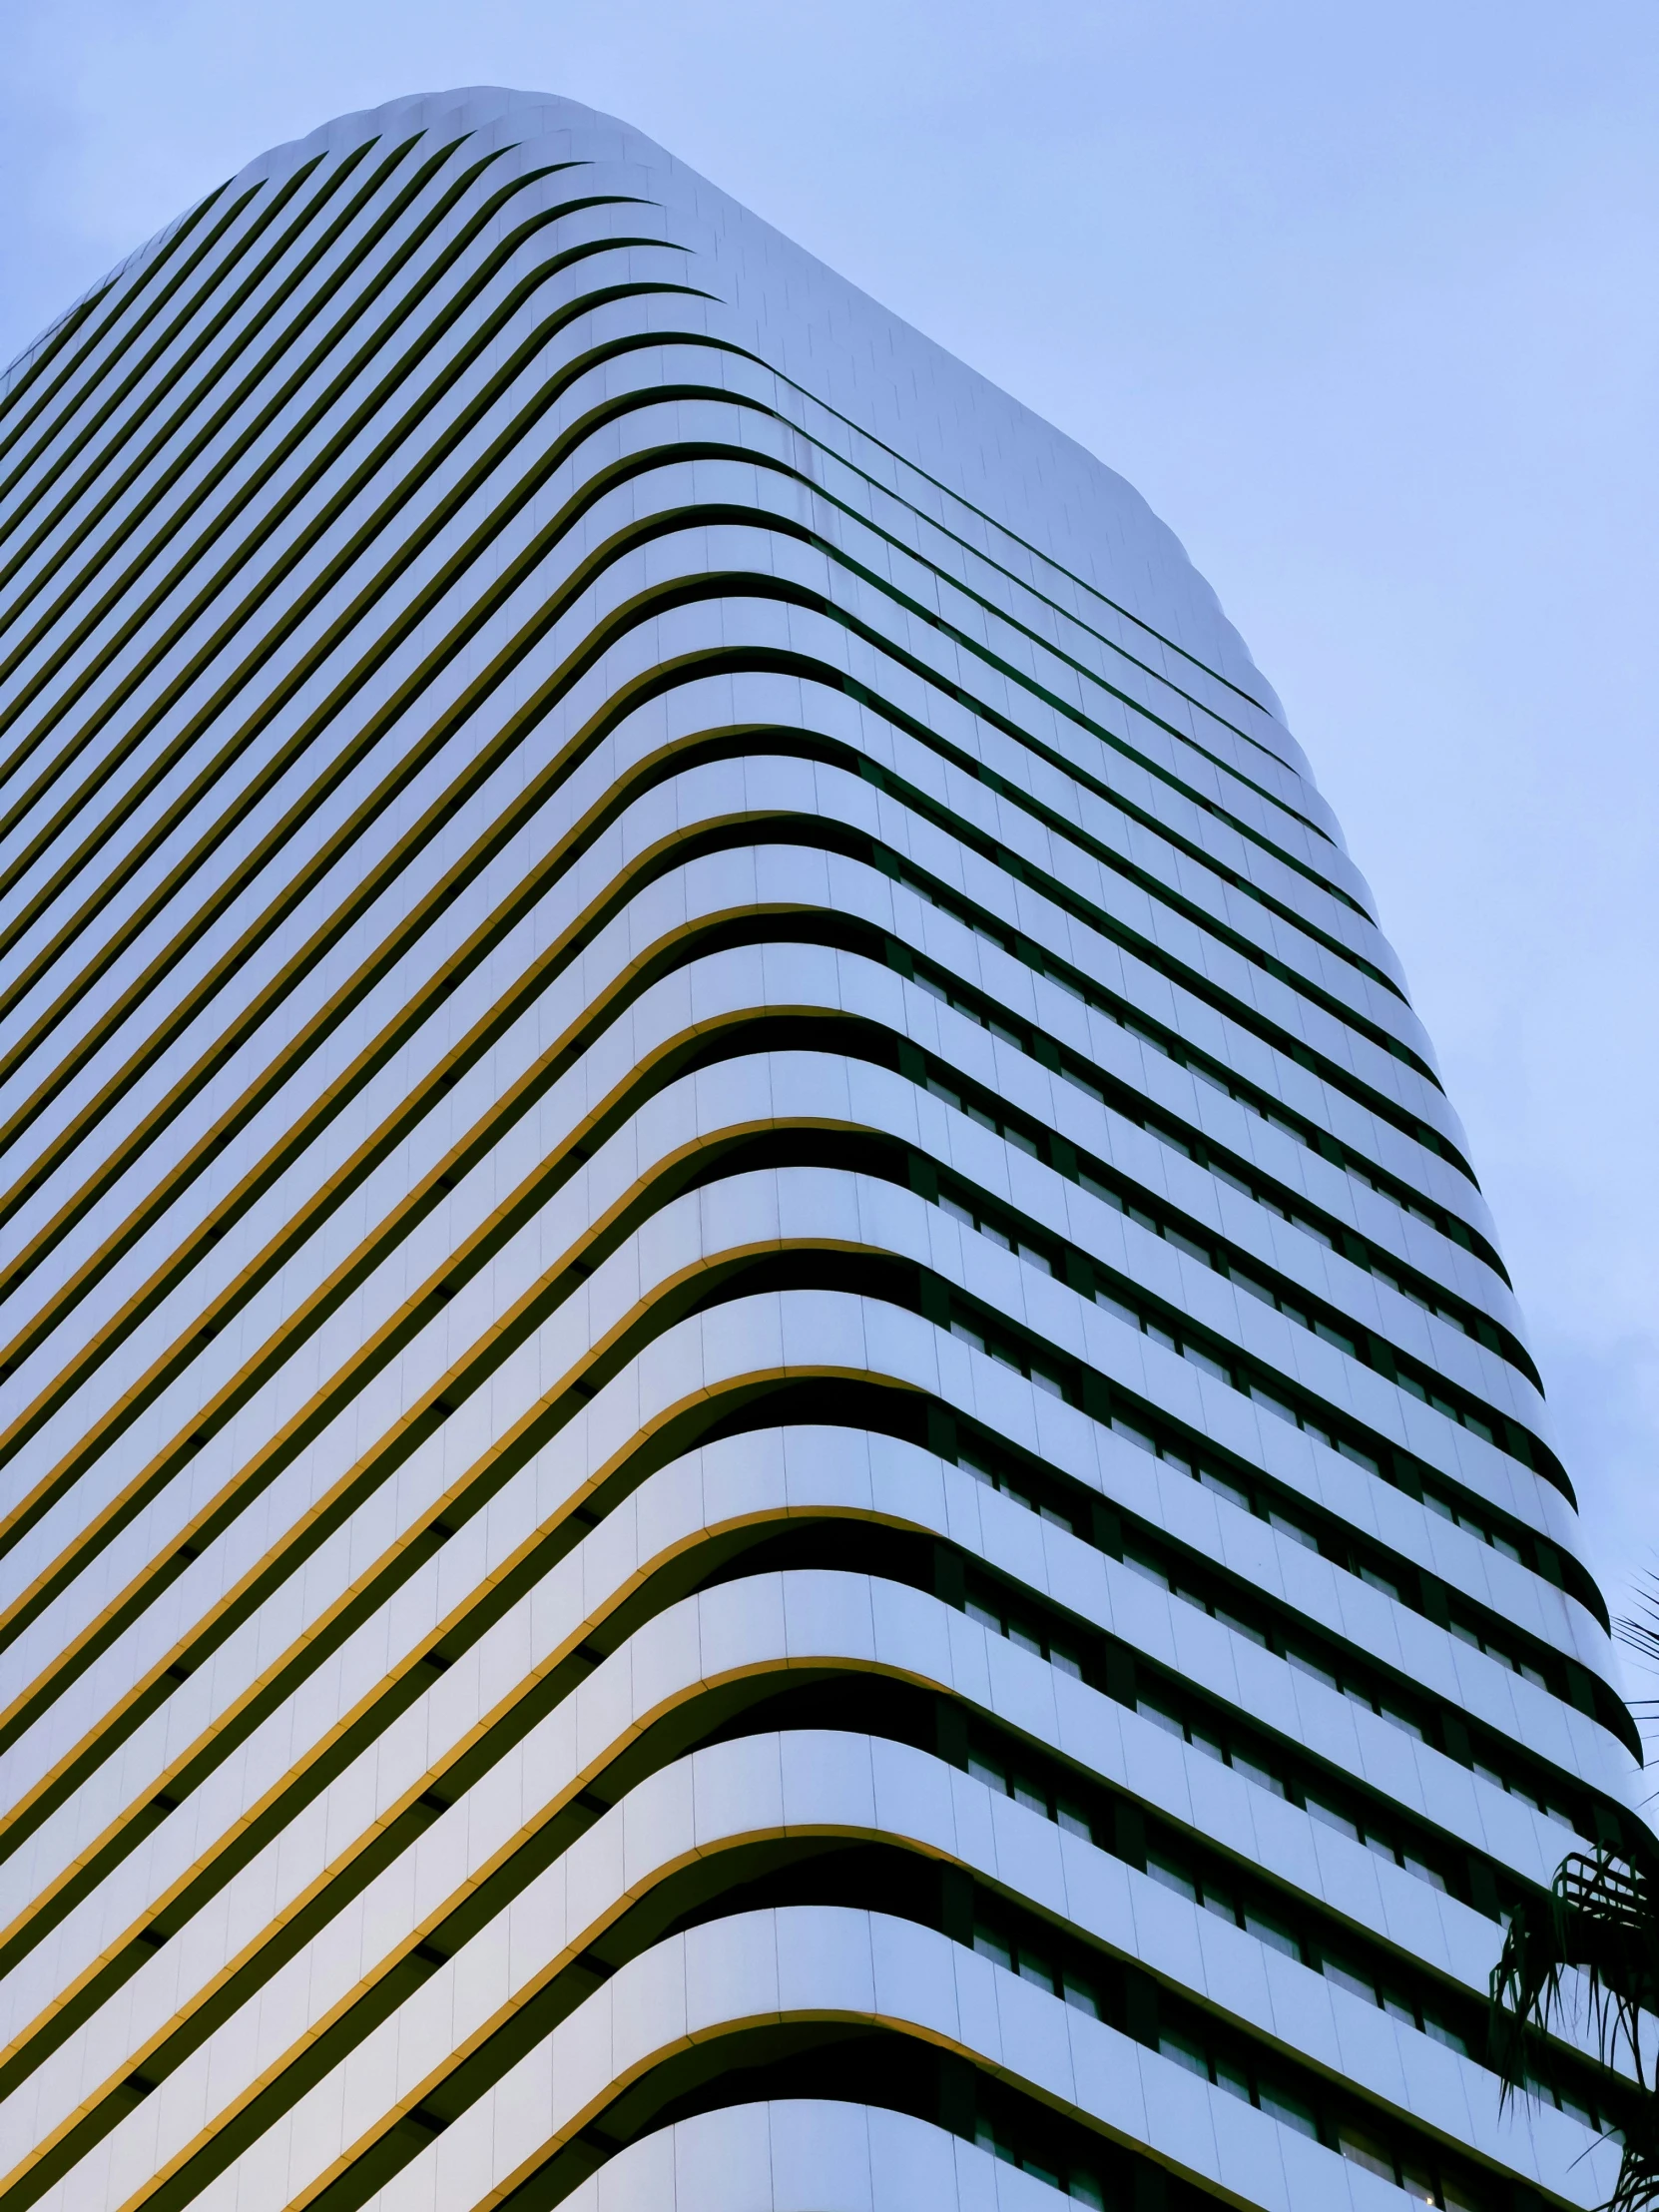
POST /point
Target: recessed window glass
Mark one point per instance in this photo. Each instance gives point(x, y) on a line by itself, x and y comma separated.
point(1364, 2150)
point(1293, 1531)
point(1258, 1775)
point(1233, 2079)
point(1223, 1488)
point(1272, 1405)
point(1350, 1978)
point(992, 1948)
point(1171, 1877)
point(1289, 2110)
point(1272, 1932)
point(1185, 2053)
point(1329, 1817)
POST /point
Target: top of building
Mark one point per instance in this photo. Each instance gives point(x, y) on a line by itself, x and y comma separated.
point(857, 358)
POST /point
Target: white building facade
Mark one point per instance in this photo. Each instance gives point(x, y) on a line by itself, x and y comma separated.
point(763, 1445)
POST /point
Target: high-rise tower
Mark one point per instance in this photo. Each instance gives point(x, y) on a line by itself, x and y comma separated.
point(763, 1446)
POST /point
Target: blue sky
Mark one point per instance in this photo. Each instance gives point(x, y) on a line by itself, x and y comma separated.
point(1364, 299)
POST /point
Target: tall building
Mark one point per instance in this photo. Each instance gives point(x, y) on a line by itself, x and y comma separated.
point(764, 1447)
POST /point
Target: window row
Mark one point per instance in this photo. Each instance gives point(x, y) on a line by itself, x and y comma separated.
point(970, 765)
point(1399, 1469)
point(1200, 1727)
point(1171, 1860)
point(1192, 849)
point(1426, 1387)
point(1135, 1429)
point(1353, 1686)
point(1097, 1180)
point(1200, 1724)
point(1169, 1045)
point(1159, 2016)
point(1180, 1582)
point(1219, 1898)
point(1349, 1342)
point(1351, 1248)
point(1369, 2147)
point(1082, 2183)
point(1010, 1352)
point(1178, 972)
point(1429, 1387)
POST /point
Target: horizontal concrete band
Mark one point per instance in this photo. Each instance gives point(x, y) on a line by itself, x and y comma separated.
point(752, 790)
point(555, 1760)
point(729, 1219)
point(820, 1962)
point(1208, 978)
point(799, 1785)
point(767, 521)
point(795, 2155)
point(1048, 1099)
point(807, 2156)
point(673, 1509)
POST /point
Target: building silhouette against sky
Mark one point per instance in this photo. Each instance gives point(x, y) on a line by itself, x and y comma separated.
point(763, 1445)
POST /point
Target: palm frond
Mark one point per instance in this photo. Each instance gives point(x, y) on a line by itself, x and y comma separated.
point(1597, 1922)
point(1593, 1942)
point(1637, 2189)
point(1639, 1632)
